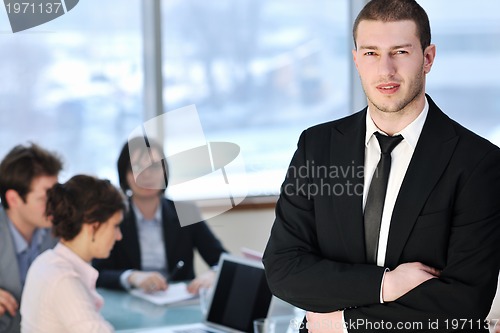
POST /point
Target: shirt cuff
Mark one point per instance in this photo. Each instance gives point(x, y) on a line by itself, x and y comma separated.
point(344, 326)
point(382, 285)
point(124, 279)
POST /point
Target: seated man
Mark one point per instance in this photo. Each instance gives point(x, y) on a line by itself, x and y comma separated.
point(155, 246)
point(26, 173)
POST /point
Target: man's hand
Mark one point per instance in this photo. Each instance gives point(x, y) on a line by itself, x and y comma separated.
point(324, 322)
point(7, 303)
point(148, 281)
point(404, 278)
point(205, 280)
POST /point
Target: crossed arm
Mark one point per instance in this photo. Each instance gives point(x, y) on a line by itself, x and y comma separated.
point(396, 283)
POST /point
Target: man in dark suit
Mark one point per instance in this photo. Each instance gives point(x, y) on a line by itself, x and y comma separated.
point(155, 246)
point(418, 253)
point(26, 173)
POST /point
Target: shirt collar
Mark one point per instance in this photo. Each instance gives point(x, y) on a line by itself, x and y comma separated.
point(410, 133)
point(87, 273)
point(20, 243)
point(140, 218)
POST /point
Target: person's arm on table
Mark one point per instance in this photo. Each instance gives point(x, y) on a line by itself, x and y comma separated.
point(147, 281)
point(204, 280)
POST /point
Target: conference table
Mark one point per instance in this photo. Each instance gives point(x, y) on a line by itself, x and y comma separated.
point(128, 313)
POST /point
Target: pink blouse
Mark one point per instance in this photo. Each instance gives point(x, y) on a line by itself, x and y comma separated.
point(59, 295)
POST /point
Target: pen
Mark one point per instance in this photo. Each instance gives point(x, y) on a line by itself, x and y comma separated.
point(176, 269)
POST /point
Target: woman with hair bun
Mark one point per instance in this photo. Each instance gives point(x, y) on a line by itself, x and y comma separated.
point(59, 295)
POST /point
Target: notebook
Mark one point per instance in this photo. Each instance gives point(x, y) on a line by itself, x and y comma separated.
point(240, 296)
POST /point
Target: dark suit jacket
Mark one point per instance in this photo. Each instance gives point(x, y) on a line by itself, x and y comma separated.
point(179, 242)
point(447, 215)
point(9, 271)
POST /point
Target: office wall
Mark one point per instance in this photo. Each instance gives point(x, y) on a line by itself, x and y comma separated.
point(240, 228)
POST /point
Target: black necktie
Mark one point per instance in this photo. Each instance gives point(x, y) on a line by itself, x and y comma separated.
point(376, 194)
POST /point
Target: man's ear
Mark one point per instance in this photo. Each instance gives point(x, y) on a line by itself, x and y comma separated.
point(429, 56)
point(354, 57)
point(13, 198)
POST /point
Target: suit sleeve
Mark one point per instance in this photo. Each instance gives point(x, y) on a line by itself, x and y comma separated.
point(297, 270)
point(9, 323)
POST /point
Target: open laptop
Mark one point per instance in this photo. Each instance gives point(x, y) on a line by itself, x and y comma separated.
point(240, 296)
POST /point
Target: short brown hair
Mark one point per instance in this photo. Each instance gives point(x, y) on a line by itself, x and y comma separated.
point(22, 165)
point(82, 199)
point(396, 10)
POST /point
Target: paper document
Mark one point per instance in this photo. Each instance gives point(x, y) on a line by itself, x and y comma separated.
point(251, 254)
point(175, 293)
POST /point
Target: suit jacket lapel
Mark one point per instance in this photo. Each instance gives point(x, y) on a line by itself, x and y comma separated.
point(170, 222)
point(348, 155)
point(432, 154)
point(8, 259)
point(49, 241)
point(130, 233)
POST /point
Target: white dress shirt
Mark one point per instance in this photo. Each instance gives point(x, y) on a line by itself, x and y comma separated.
point(400, 160)
point(151, 243)
point(494, 315)
point(59, 295)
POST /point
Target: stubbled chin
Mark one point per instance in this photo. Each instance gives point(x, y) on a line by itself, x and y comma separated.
point(387, 104)
point(389, 110)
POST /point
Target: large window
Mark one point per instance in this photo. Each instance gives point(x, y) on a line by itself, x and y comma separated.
point(74, 85)
point(259, 72)
point(464, 80)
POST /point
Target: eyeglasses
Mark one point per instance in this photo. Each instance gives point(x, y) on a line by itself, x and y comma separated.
point(141, 167)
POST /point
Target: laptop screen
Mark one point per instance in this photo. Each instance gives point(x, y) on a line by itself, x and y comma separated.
point(240, 296)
